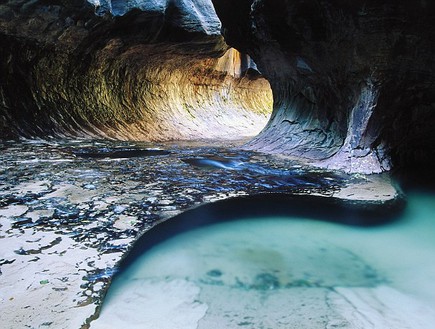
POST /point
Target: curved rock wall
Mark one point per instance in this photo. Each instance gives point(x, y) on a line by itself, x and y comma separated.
point(352, 81)
point(136, 70)
point(189, 15)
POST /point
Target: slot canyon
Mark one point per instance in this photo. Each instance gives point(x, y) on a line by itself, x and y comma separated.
point(119, 117)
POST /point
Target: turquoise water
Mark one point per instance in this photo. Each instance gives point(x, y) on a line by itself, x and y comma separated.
point(283, 272)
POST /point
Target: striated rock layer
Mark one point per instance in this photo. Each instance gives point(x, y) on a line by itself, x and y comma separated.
point(136, 70)
point(353, 82)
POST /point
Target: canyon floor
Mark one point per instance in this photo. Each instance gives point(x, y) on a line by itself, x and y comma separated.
point(71, 209)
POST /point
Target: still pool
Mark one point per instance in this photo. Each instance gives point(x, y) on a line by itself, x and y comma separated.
point(281, 272)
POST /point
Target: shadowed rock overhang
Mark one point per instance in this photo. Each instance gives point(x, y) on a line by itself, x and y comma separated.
point(150, 71)
point(353, 82)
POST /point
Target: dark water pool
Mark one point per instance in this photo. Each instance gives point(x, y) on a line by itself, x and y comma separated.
point(280, 271)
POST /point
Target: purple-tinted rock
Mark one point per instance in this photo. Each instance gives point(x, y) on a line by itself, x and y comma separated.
point(350, 80)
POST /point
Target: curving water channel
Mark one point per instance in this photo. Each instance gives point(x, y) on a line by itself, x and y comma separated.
point(279, 272)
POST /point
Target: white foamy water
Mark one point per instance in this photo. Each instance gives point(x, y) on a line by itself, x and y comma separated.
point(284, 273)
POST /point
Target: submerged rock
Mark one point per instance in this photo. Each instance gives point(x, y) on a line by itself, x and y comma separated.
point(275, 272)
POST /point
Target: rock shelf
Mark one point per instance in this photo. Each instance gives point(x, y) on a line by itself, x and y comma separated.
point(66, 220)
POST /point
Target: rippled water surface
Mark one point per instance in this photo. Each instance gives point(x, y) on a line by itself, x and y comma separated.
point(282, 272)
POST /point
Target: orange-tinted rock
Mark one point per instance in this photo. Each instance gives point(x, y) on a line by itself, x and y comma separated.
point(152, 74)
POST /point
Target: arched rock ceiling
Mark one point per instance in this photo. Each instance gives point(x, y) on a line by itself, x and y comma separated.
point(353, 81)
point(136, 70)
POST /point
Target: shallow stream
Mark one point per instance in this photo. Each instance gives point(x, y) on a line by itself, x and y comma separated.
point(281, 272)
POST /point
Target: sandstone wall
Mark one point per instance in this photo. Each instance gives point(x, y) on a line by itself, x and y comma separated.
point(353, 81)
point(143, 71)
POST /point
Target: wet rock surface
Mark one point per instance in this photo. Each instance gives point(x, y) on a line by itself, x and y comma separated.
point(117, 153)
point(352, 82)
point(67, 218)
